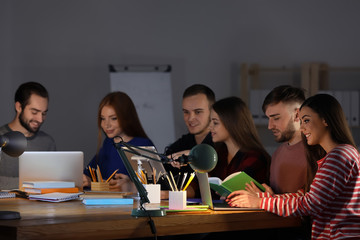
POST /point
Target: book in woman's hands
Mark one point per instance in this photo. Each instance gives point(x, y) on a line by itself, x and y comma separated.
point(233, 182)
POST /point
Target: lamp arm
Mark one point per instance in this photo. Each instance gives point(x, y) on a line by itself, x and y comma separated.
point(133, 149)
point(142, 191)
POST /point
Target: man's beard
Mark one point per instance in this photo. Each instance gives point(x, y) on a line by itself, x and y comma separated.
point(26, 125)
point(287, 134)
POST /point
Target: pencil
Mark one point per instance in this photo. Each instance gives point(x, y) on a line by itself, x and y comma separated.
point(167, 177)
point(144, 176)
point(92, 174)
point(154, 175)
point(158, 176)
point(173, 181)
point(189, 181)
point(112, 175)
point(140, 178)
point(99, 174)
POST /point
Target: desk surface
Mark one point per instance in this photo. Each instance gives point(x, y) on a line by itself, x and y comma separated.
point(73, 220)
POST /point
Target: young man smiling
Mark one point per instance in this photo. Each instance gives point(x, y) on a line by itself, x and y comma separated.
point(196, 106)
point(31, 106)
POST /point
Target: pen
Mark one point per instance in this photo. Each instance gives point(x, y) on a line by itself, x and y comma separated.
point(189, 181)
point(183, 180)
point(177, 180)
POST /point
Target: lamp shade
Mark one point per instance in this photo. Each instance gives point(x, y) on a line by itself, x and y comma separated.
point(203, 158)
point(13, 143)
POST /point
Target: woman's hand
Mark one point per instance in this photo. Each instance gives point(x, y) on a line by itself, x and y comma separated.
point(243, 198)
point(121, 183)
point(268, 189)
point(252, 188)
point(86, 181)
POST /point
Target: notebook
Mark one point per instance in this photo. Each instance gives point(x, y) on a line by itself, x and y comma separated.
point(207, 199)
point(55, 197)
point(7, 195)
point(51, 166)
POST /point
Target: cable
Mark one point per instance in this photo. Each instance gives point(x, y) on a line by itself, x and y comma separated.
point(150, 222)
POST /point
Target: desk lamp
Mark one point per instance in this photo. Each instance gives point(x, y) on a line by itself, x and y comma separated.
point(202, 158)
point(13, 144)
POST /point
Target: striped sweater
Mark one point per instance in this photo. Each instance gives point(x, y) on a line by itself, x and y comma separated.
point(333, 201)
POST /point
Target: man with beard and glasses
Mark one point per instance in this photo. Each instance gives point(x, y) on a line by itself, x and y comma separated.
point(288, 162)
point(196, 106)
point(31, 106)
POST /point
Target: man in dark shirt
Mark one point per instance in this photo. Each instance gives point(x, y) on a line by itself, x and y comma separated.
point(31, 107)
point(196, 106)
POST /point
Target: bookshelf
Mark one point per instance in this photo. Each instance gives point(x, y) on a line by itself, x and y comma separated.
point(256, 82)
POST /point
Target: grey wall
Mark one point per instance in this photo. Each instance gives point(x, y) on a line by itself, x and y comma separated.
point(67, 46)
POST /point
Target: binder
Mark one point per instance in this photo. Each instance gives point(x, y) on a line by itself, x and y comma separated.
point(254, 106)
point(354, 108)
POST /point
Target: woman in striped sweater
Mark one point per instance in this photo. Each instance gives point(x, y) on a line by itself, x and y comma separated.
point(333, 197)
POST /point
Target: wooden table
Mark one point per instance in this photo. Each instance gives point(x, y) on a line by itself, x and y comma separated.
point(73, 220)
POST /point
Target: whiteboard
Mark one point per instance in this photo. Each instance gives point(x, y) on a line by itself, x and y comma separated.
point(152, 96)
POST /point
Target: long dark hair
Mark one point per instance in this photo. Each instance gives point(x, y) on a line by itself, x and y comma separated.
point(126, 114)
point(238, 121)
point(329, 109)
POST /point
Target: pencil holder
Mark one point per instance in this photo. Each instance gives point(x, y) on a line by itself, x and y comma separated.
point(100, 186)
point(177, 199)
point(153, 191)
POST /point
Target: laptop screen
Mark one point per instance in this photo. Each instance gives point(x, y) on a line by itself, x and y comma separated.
point(147, 164)
point(51, 166)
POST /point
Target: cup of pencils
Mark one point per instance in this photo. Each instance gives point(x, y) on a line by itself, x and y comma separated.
point(177, 195)
point(100, 186)
point(97, 182)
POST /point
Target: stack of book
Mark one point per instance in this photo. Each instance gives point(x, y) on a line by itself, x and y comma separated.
point(41, 187)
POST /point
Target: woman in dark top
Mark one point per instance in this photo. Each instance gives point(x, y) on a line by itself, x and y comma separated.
point(236, 141)
point(117, 117)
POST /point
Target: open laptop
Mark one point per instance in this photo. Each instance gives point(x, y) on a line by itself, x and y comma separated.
point(207, 199)
point(51, 166)
point(147, 164)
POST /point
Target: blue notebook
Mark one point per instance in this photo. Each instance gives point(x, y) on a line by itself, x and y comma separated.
point(108, 201)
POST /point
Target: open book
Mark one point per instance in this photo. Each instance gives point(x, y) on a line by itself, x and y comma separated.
point(233, 182)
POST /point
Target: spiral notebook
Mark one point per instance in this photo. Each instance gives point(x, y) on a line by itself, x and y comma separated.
point(55, 197)
point(7, 195)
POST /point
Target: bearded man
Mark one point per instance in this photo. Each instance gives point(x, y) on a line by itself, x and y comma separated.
point(288, 162)
point(31, 107)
